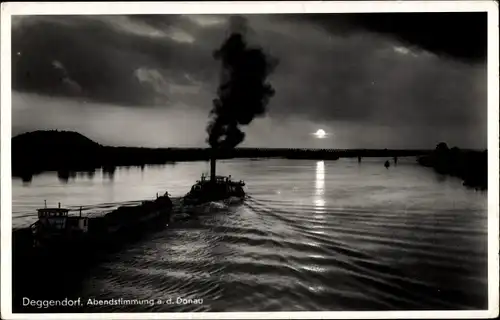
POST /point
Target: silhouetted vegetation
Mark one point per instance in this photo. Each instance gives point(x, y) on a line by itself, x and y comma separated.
point(61, 151)
point(67, 152)
point(471, 166)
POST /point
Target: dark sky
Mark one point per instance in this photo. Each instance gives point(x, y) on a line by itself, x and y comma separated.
point(369, 80)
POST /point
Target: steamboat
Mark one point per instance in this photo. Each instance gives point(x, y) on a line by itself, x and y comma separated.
point(215, 188)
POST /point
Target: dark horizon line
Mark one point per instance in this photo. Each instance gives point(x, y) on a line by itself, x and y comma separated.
point(256, 148)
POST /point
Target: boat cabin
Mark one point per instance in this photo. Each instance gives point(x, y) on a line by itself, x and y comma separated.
point(54, 218)
point(221, 187)
point(219, 180)
point(56, 221)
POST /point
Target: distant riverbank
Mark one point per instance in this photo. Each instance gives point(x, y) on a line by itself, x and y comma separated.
point(470, 166)
point(64, 151)
point(67, 152)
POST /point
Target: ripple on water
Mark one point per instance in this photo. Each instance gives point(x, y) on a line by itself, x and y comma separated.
point(330, 236)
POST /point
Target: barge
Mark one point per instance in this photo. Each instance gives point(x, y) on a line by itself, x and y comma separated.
point(52, 256)
point(56, 228)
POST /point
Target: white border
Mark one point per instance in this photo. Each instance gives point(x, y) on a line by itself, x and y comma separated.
point(119, 8)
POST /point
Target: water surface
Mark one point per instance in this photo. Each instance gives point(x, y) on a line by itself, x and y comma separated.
point(313, 235)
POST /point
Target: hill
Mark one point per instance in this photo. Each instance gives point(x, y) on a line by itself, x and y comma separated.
point(53, 140)
point(53, 150)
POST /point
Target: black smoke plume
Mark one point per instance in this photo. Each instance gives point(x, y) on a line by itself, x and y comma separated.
point(244, 92)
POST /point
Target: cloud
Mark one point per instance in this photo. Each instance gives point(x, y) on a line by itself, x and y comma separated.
point(179, 126)
point(363, 78)
point(457, 35)
point(101, 59)
point(152, 78)
point(184, 88)
point(404, 51)
point(401, 71)
point(71, 86)
point(124, 24)
point(207, 20)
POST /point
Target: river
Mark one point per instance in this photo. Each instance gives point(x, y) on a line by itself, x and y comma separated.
point(312, 235)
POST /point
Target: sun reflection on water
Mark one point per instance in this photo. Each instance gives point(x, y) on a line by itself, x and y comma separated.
point(319, 201)
point(320, 178)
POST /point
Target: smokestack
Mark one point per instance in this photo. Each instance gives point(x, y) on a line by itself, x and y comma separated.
point(212, 168)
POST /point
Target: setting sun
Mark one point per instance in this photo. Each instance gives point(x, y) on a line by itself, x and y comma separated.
point(320, 133)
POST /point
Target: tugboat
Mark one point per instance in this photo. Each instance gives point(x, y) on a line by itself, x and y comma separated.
point(216, 188)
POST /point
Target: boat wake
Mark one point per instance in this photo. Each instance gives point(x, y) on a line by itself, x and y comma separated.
point(292, 255)
point(210, 207)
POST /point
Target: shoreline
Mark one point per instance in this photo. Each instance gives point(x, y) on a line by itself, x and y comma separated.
point(109, 158)
point(67, 152)
point(469, 166)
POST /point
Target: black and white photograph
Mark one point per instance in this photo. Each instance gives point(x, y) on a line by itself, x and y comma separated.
point(239, 159)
